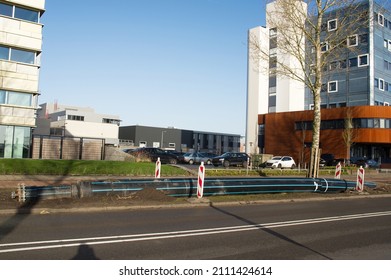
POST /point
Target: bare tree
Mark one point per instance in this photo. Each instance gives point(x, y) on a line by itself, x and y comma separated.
point(349, 133)
point(312, 35)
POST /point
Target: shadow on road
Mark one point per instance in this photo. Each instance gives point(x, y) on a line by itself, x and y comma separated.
point(85, 252)
point(22, 213)
point(25, 209)
point(272, 232)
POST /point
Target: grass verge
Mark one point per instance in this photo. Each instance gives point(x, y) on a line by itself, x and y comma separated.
point(83, 167)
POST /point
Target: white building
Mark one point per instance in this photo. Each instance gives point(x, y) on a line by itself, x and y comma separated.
point(20, 52)
point(72, 121)
point(267, 90)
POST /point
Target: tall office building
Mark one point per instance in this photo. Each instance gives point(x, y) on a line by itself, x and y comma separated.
point(20, 52)
point(268, 92)
point(356, 84)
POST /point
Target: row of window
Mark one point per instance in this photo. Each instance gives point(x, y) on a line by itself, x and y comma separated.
point(359, 61)
point(18, 55)
point(382, 85)
point(332, 86)
point(15, 98)
point(75, 118)
point(111, 121)
point(340, 124)
point(382, 21)
point(81, 118)
point(350, 41)
point(19, 12)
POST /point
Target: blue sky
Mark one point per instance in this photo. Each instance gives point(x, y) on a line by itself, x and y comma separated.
point(177, 63)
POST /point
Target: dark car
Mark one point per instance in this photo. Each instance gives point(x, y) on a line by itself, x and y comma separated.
point(152, 154)
point(231, 159)
point(328, 159)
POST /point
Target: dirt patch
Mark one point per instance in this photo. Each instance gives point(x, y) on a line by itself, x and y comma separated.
point(152, 195)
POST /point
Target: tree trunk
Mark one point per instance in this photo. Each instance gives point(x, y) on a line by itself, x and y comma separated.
point(313, 170)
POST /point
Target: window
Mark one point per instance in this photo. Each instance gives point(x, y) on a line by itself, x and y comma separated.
point(363, 38)
point(352, 40)
point(23, 56)
point(342, 64)
point(15, 98)
point(380, 19)
point(332, 86)
point(6, 10)
point(273, 43)
point(272, 81)
point(363, 60)
point(385, 43)
point(273, 62)
point(353, 62)
point(18, 55)
point(389, 45)
point(381, 84)
point(324, 46)
point(385, 64)
point(376, 83)
point(20, 13)
point(273, 32)
point(2, 96)
point(333, 65)
point(332, 25)
point(4, 53)
point(26, 14)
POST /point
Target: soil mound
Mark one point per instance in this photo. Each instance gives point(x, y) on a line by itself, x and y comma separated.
point(152, 194)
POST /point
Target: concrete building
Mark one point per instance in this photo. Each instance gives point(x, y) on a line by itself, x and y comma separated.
point(268, 92)
point(179, 139)
point(81, 122)
point(20, 53)
point(357, 83)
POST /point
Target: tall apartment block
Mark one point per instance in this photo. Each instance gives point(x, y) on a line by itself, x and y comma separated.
point(268, 92)
point(356, 84)
point(20, 52)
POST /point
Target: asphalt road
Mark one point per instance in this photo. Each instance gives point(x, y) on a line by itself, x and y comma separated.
point(315, 230)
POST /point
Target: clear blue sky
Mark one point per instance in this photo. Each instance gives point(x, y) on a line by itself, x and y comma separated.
point(180, 63)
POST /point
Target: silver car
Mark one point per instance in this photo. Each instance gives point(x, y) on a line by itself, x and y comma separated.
point(192, 158)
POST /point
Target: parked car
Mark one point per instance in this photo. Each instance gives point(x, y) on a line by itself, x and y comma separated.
point(152, 154)
point(281, 162)
point(230, 159)
point(328, 159)
point(364, 162)
point(192, 158)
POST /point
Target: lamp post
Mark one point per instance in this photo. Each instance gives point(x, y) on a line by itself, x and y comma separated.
point(164, 131)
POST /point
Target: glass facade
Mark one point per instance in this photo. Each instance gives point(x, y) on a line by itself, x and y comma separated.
point(14, 141)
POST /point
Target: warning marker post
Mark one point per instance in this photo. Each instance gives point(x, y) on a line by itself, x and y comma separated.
point(200, 181)
point(338, 171)
point(360, 179)
point(157, 168)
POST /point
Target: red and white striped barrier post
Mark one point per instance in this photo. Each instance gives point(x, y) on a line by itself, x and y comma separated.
point(200, 181)
point(157, 168)
point(360, 179)
point(338, 171)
